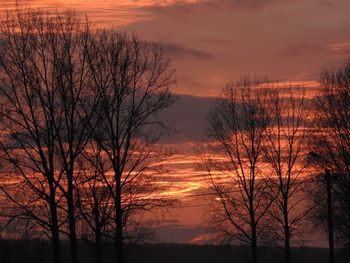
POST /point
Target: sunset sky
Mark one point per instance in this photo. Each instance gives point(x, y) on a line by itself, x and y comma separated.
point(210, 43)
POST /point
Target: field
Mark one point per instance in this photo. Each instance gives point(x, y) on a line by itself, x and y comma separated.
point(39, 252)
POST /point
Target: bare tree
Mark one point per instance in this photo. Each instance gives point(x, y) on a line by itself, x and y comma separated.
point(75, 119)
point(331, 150)
point(286, 152)
point(48, 107)
point(28, 136)
point(133, 80)
point(237, 136)
point(94, 198)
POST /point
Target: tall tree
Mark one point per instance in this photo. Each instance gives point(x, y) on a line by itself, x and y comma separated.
point(28, 135)
point(48, 107)
point(286, 153)
point(331, 148)
point(75, 117)
point(94, 198)
point(237, 133)
point(133, 79)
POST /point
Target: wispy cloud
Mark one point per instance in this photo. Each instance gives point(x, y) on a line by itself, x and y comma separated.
point(190, 6)
point(302, 49)
point(180, 51)
point(342, 48)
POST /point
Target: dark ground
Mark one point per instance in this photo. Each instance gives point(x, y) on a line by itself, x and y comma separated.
point(39, 252)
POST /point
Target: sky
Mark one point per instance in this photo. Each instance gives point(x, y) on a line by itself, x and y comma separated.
point(210, 43)
point(225, 39)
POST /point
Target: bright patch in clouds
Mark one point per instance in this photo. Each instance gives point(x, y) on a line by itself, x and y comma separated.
point(114, 13)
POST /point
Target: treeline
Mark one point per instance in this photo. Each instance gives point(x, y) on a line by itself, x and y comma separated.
point(79, 130)
point(277, 162)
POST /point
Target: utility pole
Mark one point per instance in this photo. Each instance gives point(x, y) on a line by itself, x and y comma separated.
point(330, 216)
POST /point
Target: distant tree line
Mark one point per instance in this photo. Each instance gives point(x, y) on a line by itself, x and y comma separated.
point(79, 129)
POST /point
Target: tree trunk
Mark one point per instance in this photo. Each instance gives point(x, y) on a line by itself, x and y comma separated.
point(330, 217)
point(286, 233)
point(119, 224)
point(253, 226)
point(71, 223)
point(287, 245)
point(56, 247)
point(98, 249)
point(55, 236)
point(254, 245)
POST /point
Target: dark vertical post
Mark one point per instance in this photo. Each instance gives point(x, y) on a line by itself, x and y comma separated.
point(330, 216)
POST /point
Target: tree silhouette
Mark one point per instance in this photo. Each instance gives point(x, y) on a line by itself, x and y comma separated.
point(43, 79)
point(64, 89)
point(331, 151)
point(133, 80)
point(94, 198)
point(286, 153)
point(237, 130)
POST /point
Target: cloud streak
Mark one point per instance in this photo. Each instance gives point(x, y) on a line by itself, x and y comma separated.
point(180, 51)
point(341, 48)
point(192, 6)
